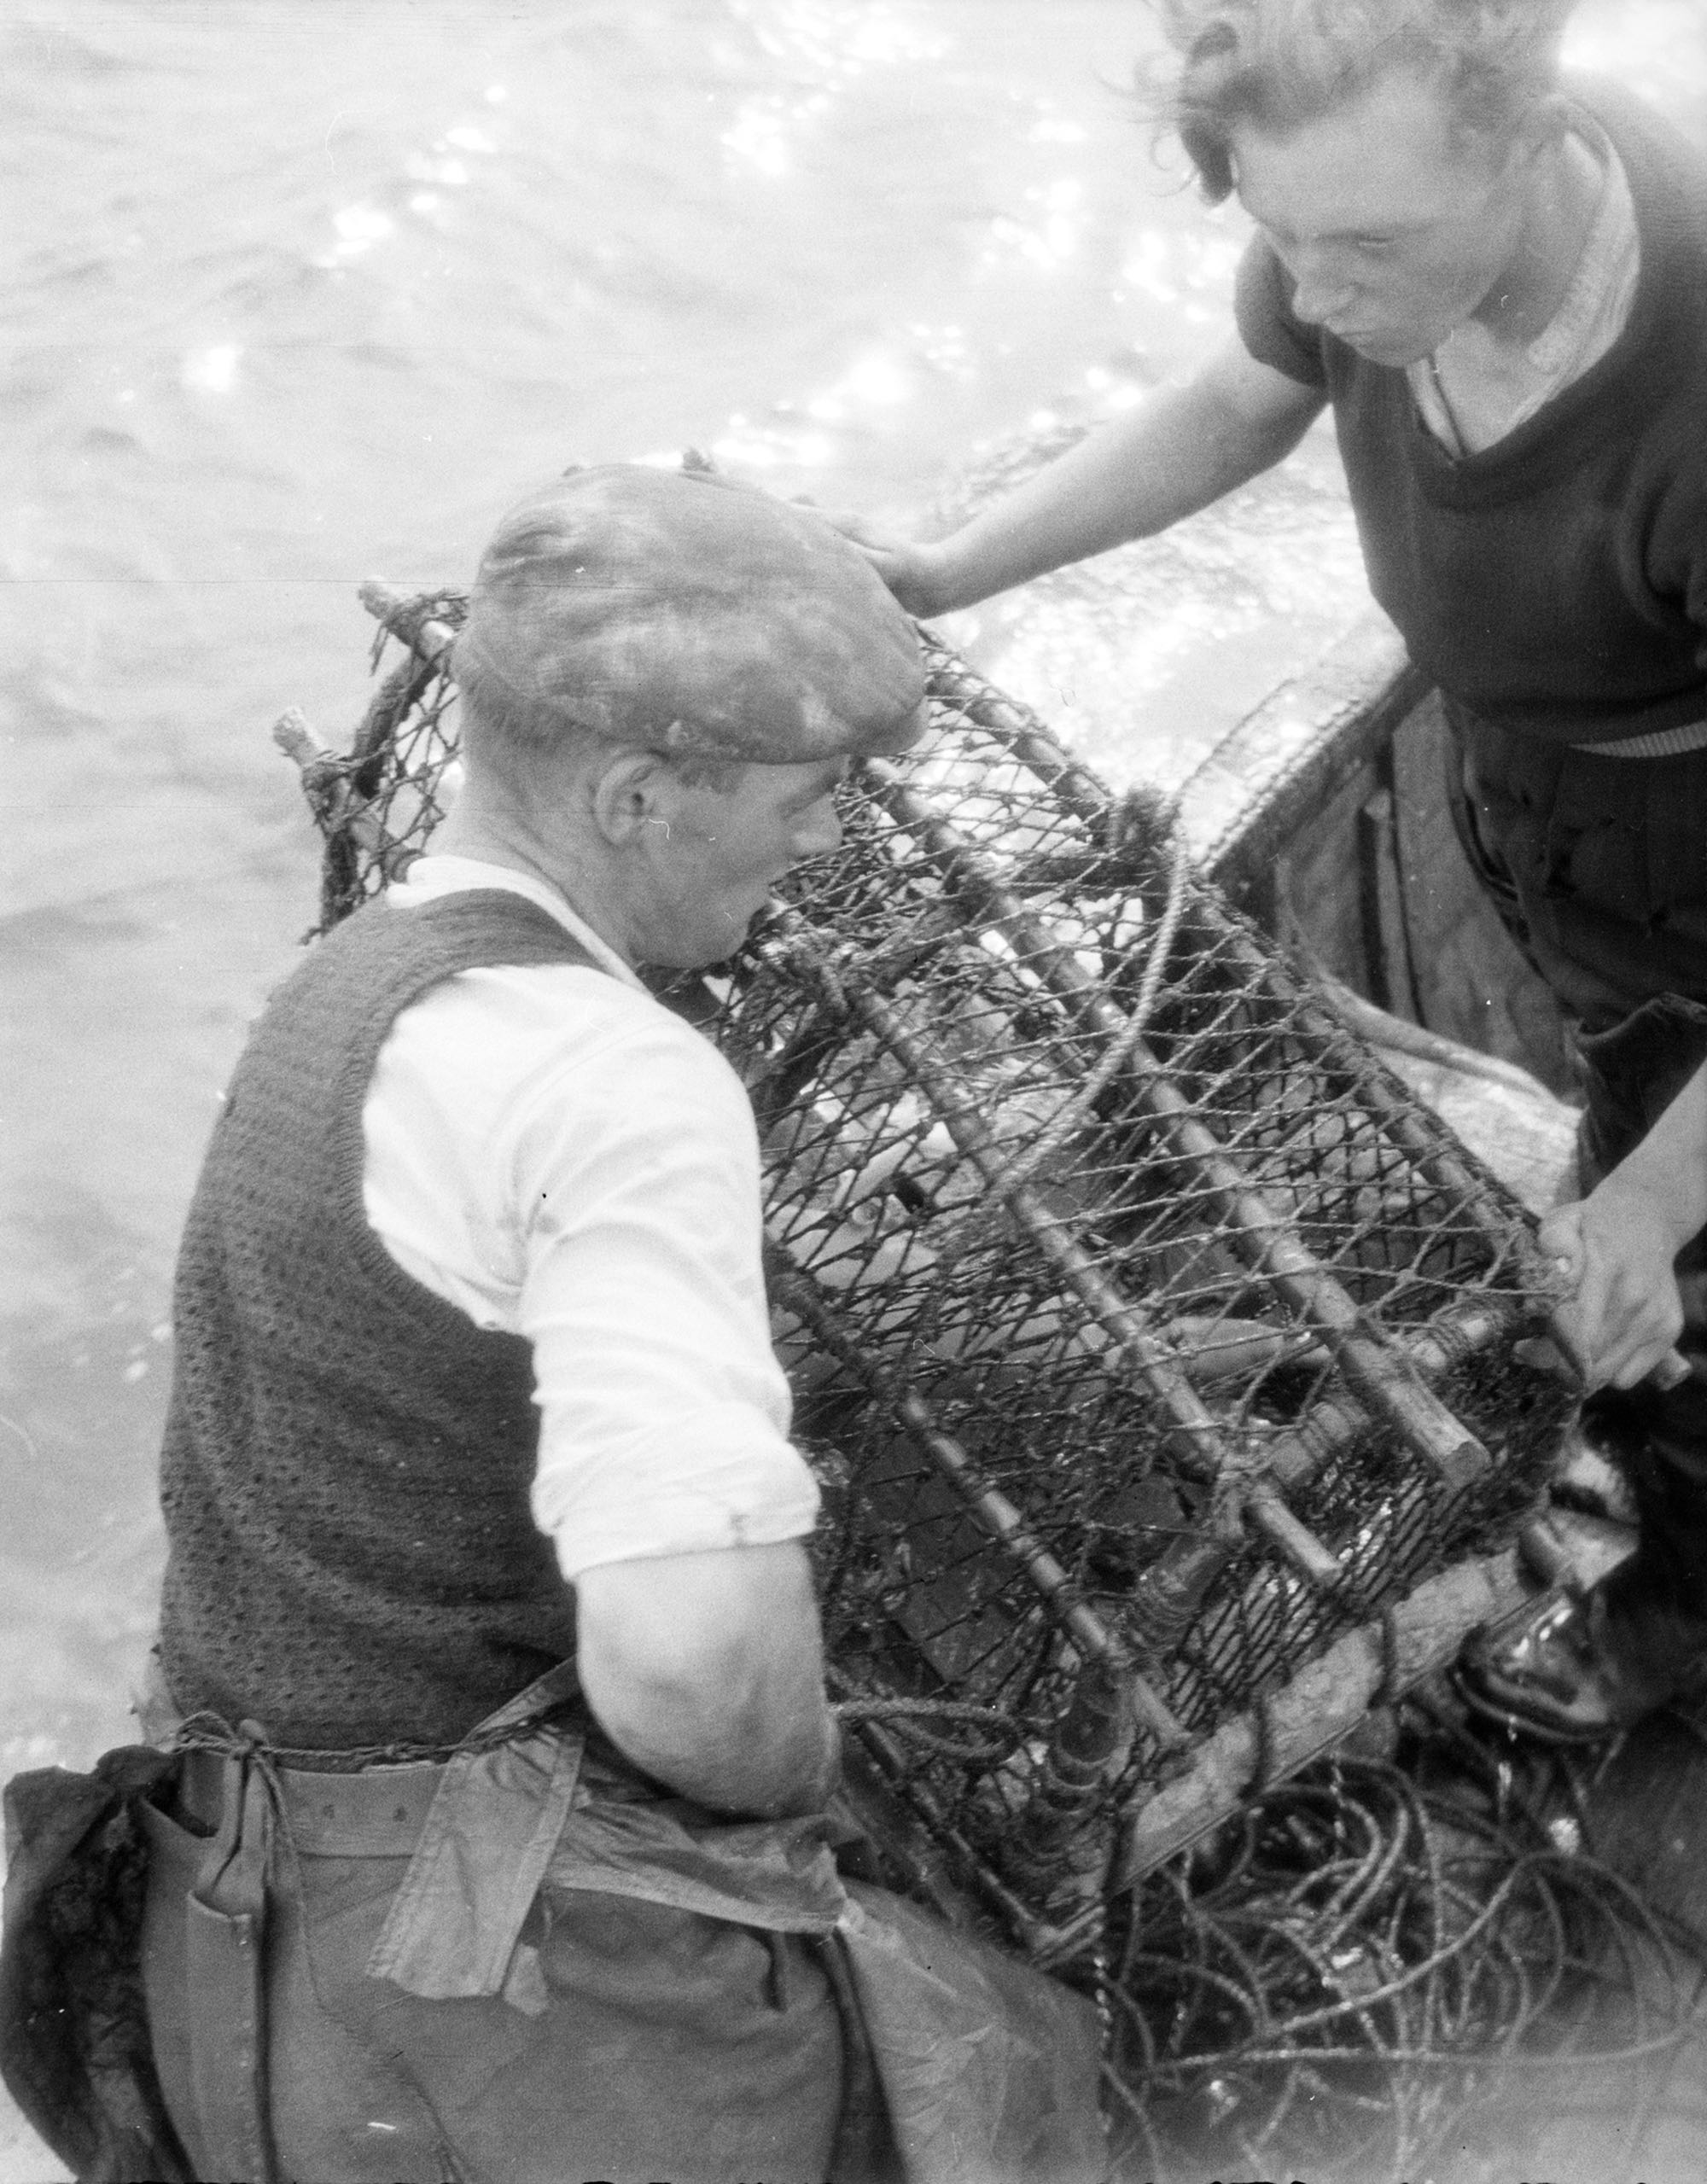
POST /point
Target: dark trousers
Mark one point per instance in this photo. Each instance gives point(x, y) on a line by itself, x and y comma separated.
point(1597, 867)
point(656, 2044)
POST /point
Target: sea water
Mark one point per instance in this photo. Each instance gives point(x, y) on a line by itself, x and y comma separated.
point(296, 294)
point(300, 293)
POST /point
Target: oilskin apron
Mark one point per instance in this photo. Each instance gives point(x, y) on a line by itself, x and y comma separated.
point(526, 1961)
point(73, 2031)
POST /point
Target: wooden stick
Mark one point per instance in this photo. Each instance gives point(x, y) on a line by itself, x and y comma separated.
point(1260, 1234)
point(400, 612)
point(1323, 1703)
point(795, 1289)
point(1192, 1428)
point(1443, 1168)
point(324, 784)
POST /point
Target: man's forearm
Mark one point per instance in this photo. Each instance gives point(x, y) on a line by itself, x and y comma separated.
point(1668, 1168)
point(758, 1751)
point(707, 1671)
point(1181, 449)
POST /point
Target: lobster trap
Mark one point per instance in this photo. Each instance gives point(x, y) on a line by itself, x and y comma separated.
point(1152, 1346)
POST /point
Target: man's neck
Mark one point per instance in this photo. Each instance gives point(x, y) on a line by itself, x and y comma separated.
point(1564, 194)
point(467, 832)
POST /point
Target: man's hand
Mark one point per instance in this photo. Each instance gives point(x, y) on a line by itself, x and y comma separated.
point(913, 570)
point(1617, 1249)
point(1616, 1254)
point(707, 1670)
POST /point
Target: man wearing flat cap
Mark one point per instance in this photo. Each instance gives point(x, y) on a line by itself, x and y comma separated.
point(499, 1850)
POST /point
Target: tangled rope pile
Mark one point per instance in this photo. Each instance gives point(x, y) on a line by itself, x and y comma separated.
point(1336, 1983)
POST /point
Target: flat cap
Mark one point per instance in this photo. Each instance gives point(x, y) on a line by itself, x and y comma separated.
point(681, 611)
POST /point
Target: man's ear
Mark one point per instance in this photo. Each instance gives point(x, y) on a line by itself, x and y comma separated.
point(633, 792)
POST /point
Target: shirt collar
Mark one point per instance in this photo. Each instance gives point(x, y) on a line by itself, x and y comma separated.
point(1607, 263)
point(430, 876)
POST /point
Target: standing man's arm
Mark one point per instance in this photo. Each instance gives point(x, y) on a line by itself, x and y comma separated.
point(1172, 454)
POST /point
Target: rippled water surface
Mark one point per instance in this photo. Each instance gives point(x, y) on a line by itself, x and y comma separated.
point(294, 295)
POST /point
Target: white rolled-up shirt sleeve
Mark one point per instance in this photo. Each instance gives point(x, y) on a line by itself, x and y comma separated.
point(664, 1414)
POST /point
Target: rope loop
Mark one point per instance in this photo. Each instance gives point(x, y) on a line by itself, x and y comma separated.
point(911, 1718)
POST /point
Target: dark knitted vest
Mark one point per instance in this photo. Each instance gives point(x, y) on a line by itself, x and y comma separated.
point(347, 1457)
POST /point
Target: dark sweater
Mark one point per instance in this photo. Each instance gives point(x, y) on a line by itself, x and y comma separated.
point(1555, 583)
point(347, 1457)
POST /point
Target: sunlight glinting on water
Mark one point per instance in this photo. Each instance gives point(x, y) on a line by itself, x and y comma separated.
point(839, 38)
point(875, 379)
point(1656, 49)
point(1168, 267)
point(944, 349)
point(758, 138)
point(1112, 390)
point(829, 43)
point(1055, 129)
point(1045, 241)
point(358, 227)
point(212, 370)
point(768, 447)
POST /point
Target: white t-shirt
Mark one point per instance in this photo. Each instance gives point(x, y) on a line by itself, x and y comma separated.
point(553, 1152)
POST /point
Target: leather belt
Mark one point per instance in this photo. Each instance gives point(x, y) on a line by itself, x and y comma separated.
point(378, 1812)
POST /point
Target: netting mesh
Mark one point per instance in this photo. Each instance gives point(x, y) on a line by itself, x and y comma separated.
point(377, 804)
point(1147, 1337)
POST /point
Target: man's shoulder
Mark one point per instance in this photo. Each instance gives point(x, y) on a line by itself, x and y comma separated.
point(381, 954)
point(1666, 168)
point(1269, 328)
point(1660, 379)
point(554, 1085)
point(547, 1034)
point(490, 924)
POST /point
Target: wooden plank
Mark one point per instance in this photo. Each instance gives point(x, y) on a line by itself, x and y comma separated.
point(1343, 846)
point(1282, 765)
point(1473, 982)
point(1387, 938)
point(1328, 1698)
